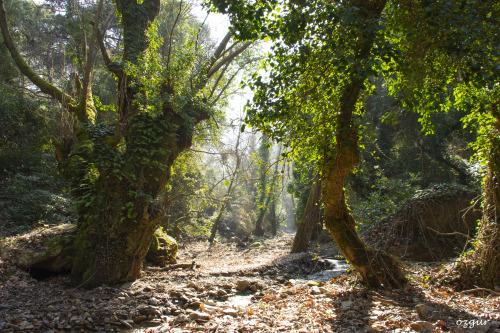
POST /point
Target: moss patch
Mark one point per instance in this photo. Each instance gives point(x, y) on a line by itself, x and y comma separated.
point(163, 249)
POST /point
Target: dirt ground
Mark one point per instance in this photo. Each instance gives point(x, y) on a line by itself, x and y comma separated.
point(226, 288)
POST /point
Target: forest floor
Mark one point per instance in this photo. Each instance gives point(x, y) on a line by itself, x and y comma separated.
point(244, 289)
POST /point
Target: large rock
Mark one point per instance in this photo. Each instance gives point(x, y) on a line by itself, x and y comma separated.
point(51, 249)
point(163, 249)
point(46, 249)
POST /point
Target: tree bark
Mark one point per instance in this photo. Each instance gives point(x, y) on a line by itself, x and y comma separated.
point(488, 237)
point(310, 218)
point(377, 269)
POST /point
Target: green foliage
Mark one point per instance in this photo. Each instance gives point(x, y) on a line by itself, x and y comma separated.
point(386, 196)
point(30, 200)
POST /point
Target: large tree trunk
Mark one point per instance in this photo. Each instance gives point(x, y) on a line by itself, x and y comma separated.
point(118, 213)
point(376, 268)
point(310, 218)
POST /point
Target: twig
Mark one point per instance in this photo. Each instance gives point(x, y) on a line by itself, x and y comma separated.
point(456, 233)
point(470, 291)
point(175, 266)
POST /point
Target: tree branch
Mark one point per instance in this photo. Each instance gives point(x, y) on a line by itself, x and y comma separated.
point(47, 88)
point(213, 69)
point(90, 57)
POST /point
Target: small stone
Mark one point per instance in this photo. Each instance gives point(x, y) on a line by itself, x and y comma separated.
point(422, 326)
point(346, 304)
point(242, 285)
point(230, 312)
point(151, 323)
point(182, 318)
point(196, 315)
point(315, 290)
point(325, 291)
point(127, 285)
point(422, 310)
point(154, 301)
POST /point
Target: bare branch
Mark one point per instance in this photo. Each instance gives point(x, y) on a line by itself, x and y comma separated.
point(171, 37)
point(229, 58)
point(221, 47)
point(90, 57)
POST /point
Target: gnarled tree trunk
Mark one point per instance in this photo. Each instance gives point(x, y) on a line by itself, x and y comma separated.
point(377, 269)
point(488, 245)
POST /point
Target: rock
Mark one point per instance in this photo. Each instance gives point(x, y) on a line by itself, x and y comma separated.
point(154, 301)
point(422, 310)
point(230, 312)
point(182, 318)
point(149, 310)
point(151, 323)
point(163, 249)
point(422, 326)
point(127, 285)
point(194, 285)
point(196, 315)
point(50, 250)
point(315, 290)
point(346, 304)
point(325, 291)
point(242, 285)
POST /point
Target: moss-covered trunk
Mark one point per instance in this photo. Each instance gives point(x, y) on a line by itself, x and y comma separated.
point(376, 268)
point(488, 239)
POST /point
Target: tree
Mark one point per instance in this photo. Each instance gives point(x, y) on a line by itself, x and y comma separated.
point(118, 168)
point(231, 185)
point(323, 55)
point(449, 56)
point(310, 218)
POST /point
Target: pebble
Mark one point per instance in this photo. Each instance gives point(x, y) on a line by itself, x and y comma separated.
point(182, 318)
point(242, 285)
point(230, 312)
point(325, 291)
point(196, 315)
point(422, 310)
point(315, 290)
point(151, 323)
point(422, 326)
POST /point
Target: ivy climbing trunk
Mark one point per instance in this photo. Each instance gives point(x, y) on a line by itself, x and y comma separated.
point(488, 237)
point(377, 269)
